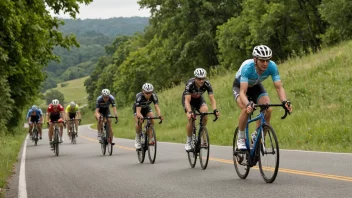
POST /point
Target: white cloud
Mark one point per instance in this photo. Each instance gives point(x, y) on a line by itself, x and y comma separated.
point(103, 9)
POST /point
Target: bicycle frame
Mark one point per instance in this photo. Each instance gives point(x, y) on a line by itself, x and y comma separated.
point(260, 116)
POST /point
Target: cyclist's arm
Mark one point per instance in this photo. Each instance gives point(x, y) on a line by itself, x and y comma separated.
point(280, 91)
point(138, 112)
point(213, 101)
point(78, 114)
point(115, 111)
point(243, 91)
point(187, 103)
point(157, 109)
point(62, 114)
point(47, 116)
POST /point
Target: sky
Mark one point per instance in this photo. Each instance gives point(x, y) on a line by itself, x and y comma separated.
point(104, 9)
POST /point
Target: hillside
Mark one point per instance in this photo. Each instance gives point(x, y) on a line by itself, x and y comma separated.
point(318, 86)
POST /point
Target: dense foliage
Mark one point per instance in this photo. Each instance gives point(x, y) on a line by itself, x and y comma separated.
point(27, 38)
point(216, 35)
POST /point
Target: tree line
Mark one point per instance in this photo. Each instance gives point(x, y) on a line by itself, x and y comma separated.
point(216, 35)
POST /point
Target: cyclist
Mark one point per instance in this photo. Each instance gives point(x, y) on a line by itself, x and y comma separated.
point(35, 115)
point(55, 112)
point(102, 108)
point(192, 99)
point(72, 112)
point(247, 84)
point(142, 109)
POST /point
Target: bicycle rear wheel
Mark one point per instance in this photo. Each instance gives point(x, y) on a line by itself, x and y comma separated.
point(110, 146)
point(204, 148)
point(269, 156)
point(142, 150)
point(192, 155)
point(240, 158)
point(152, 146)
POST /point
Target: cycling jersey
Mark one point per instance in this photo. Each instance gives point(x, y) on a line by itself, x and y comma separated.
point(144, 103)
point(247, 73)
point(101, 104)
point(34, 113)
point(194, 91)
point(54, 111)
point(69, 109)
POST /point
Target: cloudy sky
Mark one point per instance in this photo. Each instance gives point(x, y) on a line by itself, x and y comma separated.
point(103, 9)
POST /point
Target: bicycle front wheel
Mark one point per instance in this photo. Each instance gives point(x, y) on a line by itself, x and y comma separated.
point(269, 156)
point(110, 147)
point(240, 158)
point(152, 146)
point(35, 136)
point(103, 143)
point(73, 136)
point(204, 148)
point(56, 140)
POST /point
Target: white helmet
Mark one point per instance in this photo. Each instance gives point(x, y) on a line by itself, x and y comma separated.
point(105, 92)
point(148, 87)
point(262, 51)
point(55, 102)
point(72, 104)
point(34, 107)
point(200, 73)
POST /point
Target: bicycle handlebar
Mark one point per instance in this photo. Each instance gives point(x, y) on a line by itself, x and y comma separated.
point(206, 113)
point(150, 118)
point(266, 106)
point(110, 116)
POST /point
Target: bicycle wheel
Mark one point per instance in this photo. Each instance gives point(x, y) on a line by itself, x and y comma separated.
point(110, 146)
point(56, 140)
point(73, 135)
point(269, 156)
point(152, 146)
point(204, 148)
point(35, 136)
point(142, 150)
point(192, 155)
point(240, 158)
point(103, 142)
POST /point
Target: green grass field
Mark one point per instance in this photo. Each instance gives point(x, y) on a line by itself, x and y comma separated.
point(318, 85)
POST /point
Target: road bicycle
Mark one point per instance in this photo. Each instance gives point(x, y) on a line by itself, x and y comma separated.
point(148, 143)
point(200, 145)
point(72, 129)
point(265, 147)
point(56, 138)
point(105, 139)
point(35, 134)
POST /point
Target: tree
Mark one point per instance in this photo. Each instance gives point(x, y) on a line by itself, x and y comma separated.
point(54, 94)
point(28, 35)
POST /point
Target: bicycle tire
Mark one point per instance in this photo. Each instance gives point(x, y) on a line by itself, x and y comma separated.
point(204, 157)
point(35, 132)
point(56, 145)
point(269, 138)
point(142, 150)
point(240, 158)
point(73, 135)
point(103, 141)
point(152, 147)
point(192, 155)
point(110, 146)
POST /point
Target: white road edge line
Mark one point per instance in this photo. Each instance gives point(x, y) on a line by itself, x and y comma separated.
point(22, 187)
point(89, 126)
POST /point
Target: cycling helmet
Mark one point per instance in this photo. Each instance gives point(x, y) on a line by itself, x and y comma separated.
point(148, 87)
point(72, 104)
point(34, 107)
point(200, 73)
point(105, 92)
point(262, 51)
point(55, 102)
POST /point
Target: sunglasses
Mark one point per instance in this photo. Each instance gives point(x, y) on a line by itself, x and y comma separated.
point(200, 79)
point(263, 61)
point(148, 93)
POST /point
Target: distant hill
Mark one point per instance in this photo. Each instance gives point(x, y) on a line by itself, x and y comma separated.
point(93, 35)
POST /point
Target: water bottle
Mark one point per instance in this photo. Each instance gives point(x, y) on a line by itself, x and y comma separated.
point(254, 136)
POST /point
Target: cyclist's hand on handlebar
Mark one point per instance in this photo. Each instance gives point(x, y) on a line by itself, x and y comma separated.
point(161, 117)
point(250, 107)
point(287, 106)
point(190, 115)
point(216, 112)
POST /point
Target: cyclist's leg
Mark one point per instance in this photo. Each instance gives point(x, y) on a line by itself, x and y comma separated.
point(39, 125)
point(30, 125)
point(110, 129)
point(263, 98)
point(68, 127)
point(204, 108)
point(150, 133)
point(76, 122)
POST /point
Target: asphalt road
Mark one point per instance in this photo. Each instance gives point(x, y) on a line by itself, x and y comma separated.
point(82, 171)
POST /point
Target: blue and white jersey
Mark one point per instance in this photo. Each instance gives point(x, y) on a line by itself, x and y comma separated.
point(247, 73)
point(36, 113)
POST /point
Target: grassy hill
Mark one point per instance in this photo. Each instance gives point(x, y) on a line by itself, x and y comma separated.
point(318, 85)
point(73, 91)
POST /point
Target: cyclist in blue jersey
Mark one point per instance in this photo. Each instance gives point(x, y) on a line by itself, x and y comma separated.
point(102, 108)
point(247, 85)
point(35, 115)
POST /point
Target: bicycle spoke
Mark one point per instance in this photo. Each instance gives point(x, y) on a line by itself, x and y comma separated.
point(204, 148)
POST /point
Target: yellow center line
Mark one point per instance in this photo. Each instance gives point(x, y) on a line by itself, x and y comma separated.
point(284, 170)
